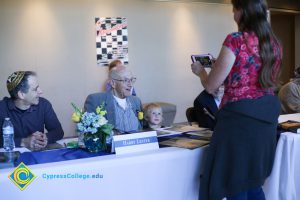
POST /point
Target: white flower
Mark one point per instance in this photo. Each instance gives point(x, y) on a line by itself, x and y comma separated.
point(102, 121)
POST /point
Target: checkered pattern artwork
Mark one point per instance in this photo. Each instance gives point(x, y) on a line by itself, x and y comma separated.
point(111, 40)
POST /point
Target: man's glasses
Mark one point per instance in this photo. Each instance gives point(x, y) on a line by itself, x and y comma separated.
point(126, 80)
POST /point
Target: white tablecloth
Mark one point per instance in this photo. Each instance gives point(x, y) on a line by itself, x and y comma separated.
point(167, 173)
point(284, 181)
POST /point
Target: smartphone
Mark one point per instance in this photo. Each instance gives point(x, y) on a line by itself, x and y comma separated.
point(11, 156)
point(204, 59)
point(8, 159)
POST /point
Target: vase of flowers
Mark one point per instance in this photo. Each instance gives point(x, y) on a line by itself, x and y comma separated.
point(92, 127)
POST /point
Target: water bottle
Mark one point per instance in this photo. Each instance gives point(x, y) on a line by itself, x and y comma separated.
point(8, 135)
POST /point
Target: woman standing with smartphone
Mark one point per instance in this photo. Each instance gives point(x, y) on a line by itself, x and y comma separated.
point(242, 148)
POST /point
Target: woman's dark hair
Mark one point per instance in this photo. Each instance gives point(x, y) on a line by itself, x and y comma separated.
point(22, 86)
point(254, 19)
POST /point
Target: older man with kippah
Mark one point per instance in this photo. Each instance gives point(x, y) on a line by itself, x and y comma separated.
point(29, 113)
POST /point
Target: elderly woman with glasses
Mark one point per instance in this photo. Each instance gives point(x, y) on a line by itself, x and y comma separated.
point(122, 108)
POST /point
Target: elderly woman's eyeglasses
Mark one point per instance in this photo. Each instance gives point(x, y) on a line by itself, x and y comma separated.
point(126, 80)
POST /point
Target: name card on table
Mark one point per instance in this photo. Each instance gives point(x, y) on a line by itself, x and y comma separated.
point(135, 142)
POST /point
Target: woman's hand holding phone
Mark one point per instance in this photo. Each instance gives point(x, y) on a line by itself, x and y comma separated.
point(197, 67)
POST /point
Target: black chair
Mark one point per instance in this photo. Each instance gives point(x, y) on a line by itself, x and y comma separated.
point(203, 117)
point(191, 115)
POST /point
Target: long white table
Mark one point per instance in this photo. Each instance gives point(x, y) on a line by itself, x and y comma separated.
point(166, 173)
point(284, 181)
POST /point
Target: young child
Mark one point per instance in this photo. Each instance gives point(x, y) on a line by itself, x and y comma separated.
point(153, 116)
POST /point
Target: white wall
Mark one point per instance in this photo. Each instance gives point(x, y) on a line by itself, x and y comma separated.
point(56, 39)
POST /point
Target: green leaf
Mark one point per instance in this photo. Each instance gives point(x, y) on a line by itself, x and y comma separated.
point(107, 128)
point(76, 108)
point(73, 144)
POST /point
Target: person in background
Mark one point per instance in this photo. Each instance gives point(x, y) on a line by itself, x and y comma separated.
point(111, 65)
point(153, 116)
point(114, 63)
point(29, 113)
point(242, 148)
point(289, 95)
point(122, 108)
point(206, 107)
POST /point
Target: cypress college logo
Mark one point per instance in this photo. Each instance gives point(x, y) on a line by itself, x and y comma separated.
point(21, 176)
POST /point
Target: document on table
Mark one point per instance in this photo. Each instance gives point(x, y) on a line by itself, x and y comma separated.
point(290, 125)
point(183, 142)
point(165, 132)
point(204, 134)
point(185, 136)
point(184, 129)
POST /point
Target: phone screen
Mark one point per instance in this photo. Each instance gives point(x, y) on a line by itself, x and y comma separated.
point(205, 60)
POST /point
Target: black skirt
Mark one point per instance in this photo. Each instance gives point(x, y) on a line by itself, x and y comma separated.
point(242, 148)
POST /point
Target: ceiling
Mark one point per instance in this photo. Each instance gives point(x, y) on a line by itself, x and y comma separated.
point(293, 5)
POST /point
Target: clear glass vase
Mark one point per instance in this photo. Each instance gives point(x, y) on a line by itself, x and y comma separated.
point(95, 142)
point(80, 140)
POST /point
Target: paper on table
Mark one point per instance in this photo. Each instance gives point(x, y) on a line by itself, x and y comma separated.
point(184, 142)
point(204, 134)
point(164, 132)
point(186, 128)
point(20, 149)
point(179, 129)
point(65, 141)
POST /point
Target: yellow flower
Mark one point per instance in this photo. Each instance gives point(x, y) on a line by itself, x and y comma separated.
point(76, 117)
point(102, 113)
point(98, 110)
point(140, 115)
